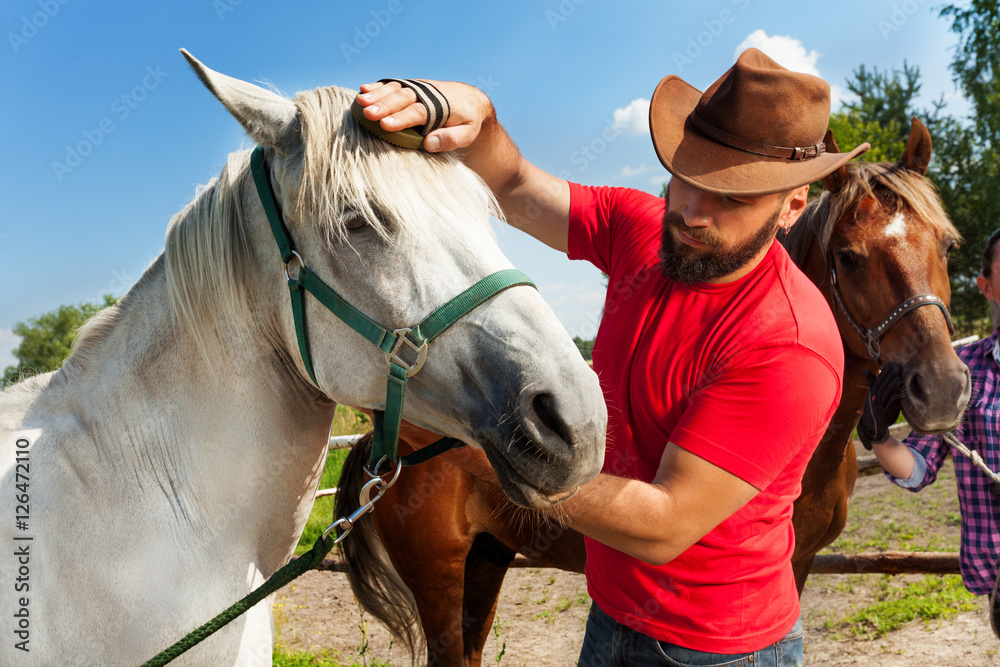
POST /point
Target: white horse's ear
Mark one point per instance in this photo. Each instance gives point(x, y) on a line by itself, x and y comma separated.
point(268, 118)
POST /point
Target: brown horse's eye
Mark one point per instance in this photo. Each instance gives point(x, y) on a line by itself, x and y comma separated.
point(847, 260)
point(951, 248)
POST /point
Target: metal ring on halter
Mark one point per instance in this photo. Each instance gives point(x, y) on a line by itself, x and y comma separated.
point(366, 503)
point(874, 348)
point(377, 475)
point(302, 264)
point(871, 336)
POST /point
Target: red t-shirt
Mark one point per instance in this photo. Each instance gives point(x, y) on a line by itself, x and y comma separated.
point(745, 375)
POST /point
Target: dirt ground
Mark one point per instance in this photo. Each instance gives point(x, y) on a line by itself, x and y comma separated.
point(542, 613)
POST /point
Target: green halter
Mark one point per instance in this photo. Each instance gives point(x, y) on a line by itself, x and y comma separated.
point(409, 341)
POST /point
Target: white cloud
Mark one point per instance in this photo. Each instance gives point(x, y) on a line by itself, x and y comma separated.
point(787, 51)
point(633, 119)
point(792, 54)
point(630, 172)
point(836, 97)
point(8, 341)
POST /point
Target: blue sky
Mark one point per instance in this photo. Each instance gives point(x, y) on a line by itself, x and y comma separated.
point(108, 132)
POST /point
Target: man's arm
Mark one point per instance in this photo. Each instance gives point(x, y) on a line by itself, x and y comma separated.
point(754, 418)
point(659, 521)
point(654, 522)
point(534, 201)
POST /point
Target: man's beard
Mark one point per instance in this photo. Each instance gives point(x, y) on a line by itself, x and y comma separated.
point(685, 264)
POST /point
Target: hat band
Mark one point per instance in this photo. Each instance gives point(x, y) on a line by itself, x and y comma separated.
point(748, 146)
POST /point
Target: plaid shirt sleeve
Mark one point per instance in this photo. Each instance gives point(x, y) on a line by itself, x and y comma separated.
point(930, 452)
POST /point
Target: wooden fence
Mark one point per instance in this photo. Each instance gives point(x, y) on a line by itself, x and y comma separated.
point(881, 562)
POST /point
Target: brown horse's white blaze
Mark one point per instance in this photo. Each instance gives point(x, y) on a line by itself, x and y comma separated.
point(888, 240)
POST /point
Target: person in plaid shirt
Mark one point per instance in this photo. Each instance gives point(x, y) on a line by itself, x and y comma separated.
point(914, 463)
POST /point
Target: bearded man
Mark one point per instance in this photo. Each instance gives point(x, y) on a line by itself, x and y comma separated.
point(720, 361)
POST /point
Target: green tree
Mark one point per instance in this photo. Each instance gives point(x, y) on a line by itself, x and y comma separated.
point(47, 340)
point(976, 63)
point(969, 179)
point(885, 102)
point(586, 347)
point(881, 113)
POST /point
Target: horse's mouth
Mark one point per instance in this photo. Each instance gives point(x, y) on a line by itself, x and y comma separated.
point(518, 487)
point(920, 423)
point(943, 416)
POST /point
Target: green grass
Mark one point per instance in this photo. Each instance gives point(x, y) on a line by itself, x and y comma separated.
point(894, 519)
point(935, 597)
point(900, 520)
point(564, 604)
point(328, 658)
point(284, 658)
point(345, 422)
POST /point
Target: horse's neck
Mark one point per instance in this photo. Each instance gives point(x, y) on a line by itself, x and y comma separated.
point(838, 434)
point(225, 443)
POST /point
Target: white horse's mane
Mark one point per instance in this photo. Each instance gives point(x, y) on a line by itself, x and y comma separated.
point(342, 171)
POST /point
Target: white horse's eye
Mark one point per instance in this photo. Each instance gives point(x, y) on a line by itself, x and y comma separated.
point(354, 220)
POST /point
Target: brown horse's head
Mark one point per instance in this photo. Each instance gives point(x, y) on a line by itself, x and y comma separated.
point(886, 241)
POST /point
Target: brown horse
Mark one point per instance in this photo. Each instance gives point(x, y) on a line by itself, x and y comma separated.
point(875, 242)
point(440, 545)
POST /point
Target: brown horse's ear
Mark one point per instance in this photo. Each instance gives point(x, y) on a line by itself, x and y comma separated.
point(836, 179)
point(917, 156)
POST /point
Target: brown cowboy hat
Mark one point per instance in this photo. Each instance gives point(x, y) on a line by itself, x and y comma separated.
point(759, 129)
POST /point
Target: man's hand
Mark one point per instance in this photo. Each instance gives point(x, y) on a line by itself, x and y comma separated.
point(532, 200)
point(396, 108)
point(882, 405)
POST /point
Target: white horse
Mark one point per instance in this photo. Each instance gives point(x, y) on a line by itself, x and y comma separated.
point(169, 467)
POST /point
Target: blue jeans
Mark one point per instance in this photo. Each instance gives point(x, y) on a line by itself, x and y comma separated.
point(611, 644)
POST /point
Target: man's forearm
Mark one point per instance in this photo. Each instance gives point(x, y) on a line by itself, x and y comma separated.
point(626, 514)
point(535, 202)
point(494, 155)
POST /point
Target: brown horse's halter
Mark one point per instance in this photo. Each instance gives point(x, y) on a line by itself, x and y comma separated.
point(871, 336)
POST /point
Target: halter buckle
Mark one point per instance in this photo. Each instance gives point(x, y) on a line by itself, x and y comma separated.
point(403, 339)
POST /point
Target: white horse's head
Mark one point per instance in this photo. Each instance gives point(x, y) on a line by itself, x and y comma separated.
point(397, 233)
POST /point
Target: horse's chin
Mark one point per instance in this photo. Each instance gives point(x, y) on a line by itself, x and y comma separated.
point(527, 493)
point(925, 425)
